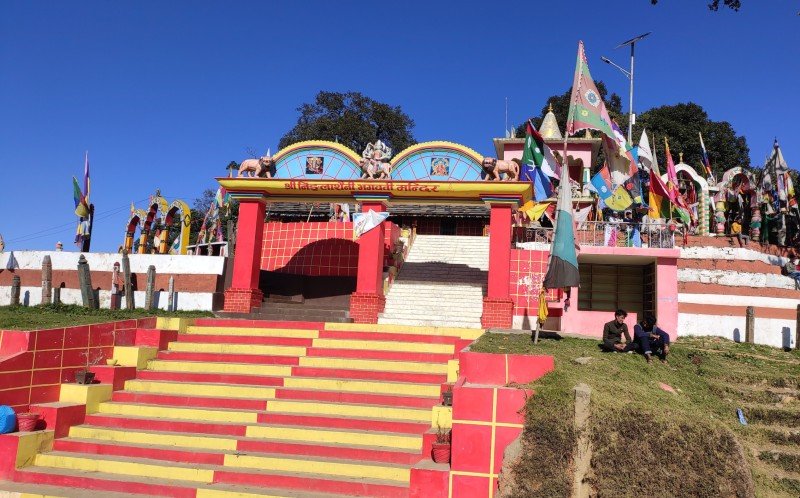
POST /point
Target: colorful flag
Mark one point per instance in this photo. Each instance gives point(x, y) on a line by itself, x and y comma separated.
point(562, 270)
point(672, 175)
point(543, 311)
point(645, 154)
point(586, 108)
point(706, 162)
point(534, 210)
point(531, 167)
point(601, 182)
point(665, 202)
point(655, 158)
point(658, 193)
point(81, 208)
point(540, 152)
point(619, 200)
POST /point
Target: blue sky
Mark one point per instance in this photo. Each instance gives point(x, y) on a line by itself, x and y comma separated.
point(165, 94)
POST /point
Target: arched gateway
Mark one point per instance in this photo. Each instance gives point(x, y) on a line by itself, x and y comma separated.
point(431, 173)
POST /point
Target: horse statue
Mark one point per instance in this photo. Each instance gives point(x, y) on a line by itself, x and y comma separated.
point(375, 161)
point(494, 167)
point(261, 167)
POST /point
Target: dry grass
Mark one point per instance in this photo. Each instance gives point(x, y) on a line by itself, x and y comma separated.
point(647, 441)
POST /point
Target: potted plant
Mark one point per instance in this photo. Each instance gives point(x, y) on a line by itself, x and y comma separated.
point(85, 376)
point(441, 448)
point(27, 421)
point(447, 395)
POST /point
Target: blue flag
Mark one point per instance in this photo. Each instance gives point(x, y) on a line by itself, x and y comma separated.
point(541, 184)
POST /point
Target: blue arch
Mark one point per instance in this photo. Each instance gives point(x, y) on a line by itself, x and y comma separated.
point(338, 162)
point(418, 162)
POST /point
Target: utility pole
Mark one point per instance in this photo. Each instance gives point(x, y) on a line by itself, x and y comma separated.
point(628, 74)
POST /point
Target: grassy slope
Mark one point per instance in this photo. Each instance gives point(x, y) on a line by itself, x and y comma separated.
point(649, 442)
point(42, 317)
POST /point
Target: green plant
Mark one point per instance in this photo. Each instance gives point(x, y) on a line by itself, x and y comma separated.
point(442, 434)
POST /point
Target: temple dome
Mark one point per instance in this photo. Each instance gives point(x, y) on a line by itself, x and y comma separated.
point(549, 129)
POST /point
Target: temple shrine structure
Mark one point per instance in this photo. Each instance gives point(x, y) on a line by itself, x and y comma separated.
point(439, 201)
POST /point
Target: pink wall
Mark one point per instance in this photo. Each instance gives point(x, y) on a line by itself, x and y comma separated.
point(527, 273)
point(33, 364)
point(590, 323)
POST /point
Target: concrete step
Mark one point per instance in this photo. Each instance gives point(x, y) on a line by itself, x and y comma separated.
point(289, 440)
point(431, 323)
point(228, 390)
point(172, 446)
point(237, 469)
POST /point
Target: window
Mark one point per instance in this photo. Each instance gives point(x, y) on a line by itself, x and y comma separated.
point(610, 287)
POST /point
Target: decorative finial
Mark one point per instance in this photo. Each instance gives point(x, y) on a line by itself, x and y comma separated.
point(680, 157)
point(550, 107)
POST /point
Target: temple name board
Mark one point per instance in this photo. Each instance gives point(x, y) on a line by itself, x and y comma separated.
point(396, 190)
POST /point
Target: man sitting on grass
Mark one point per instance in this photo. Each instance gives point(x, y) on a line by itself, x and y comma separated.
point(651, 339)
point(613, 331)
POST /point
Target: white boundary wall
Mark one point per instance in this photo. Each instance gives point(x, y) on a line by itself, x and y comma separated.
point(165, 265)
point(768, 331)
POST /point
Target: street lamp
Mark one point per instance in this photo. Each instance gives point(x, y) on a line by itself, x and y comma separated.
point(629, 75)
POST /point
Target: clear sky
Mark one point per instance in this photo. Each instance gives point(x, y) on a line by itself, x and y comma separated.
point(165, 94)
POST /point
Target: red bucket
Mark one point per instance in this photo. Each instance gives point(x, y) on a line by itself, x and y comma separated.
point(27, 421)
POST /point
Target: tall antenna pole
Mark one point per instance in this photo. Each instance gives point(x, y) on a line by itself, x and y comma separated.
point(508, 135)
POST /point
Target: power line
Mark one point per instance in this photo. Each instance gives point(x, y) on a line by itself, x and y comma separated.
point(65, 226)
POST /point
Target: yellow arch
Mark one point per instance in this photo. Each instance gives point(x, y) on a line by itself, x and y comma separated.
point(308, 144)
point(437, 144)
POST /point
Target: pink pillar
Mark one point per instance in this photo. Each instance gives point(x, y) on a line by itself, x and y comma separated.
point(368, 299)
point(498, 309)
point(667, 295)
point(244, 294)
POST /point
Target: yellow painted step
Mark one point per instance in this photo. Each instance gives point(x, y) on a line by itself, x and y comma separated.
point(161, 439)
point(363, 386)
point(331, 468)
point(122, 467)
point(463, 333)
point(255, 331)
point(220, 368)
point(407, 347)
point(191, 389)
point(346, 410)
point(379, 365)
point(178, 413)
point(192, 347)
point(315, 435)
point(221, 493)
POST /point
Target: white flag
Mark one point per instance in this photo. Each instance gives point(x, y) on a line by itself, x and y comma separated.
point(645, 154)
point(364, 222)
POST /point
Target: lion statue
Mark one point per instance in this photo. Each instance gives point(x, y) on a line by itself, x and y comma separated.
point(261, 167)
point(494, 167)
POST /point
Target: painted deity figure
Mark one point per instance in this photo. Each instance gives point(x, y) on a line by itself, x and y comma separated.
point(375, 161)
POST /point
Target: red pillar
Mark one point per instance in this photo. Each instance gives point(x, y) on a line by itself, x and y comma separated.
point(243, 294)
point(498, 309)
point(368, 299)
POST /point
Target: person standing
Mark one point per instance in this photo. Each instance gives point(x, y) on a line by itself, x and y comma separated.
point(613, 332)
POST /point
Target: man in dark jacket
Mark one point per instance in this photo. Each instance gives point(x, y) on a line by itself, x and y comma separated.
point(651, 339)
point(613, 332)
